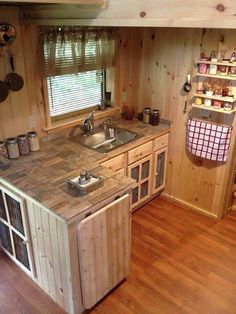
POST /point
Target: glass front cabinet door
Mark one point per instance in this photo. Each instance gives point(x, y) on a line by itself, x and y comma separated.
point(159, 170)
point(14, 236)
point(140, 171)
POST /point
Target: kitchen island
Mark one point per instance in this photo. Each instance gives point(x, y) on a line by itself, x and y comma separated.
point(54, 218)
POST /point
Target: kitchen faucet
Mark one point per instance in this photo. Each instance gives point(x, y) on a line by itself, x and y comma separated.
point(88, 123)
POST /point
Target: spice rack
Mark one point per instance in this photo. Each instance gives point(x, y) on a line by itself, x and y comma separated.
point(222, 99)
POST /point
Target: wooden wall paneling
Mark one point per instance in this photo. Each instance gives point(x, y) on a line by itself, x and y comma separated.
point(48, 254)
point(41, 248)
point(72, 246)
point(127, 69)
point(65, 257)
point(15, 111)
point(34, 82)
point(177, 52)
point(34, 239)
point(161, 13)
point(54, 226)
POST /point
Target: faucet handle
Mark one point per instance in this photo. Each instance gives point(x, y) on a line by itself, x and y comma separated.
point(91, 115)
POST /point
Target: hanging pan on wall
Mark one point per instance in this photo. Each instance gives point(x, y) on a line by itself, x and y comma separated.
point(4, 91)
point(13, 80)
point(7, 34)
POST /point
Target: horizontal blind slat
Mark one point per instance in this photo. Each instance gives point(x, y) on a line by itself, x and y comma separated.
point(73, 92)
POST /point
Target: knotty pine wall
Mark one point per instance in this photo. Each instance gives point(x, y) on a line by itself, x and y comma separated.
point(17, 110)
point(152, 64)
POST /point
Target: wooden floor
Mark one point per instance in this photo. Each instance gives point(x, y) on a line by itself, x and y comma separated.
point(182, 262)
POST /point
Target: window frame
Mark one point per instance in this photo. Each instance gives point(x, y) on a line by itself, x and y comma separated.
point(76, 117)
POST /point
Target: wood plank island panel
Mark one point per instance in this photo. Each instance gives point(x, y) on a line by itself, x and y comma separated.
point(161, 59)
point(48, 234)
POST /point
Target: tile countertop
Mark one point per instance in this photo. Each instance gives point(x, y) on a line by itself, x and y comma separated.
point(42, 175)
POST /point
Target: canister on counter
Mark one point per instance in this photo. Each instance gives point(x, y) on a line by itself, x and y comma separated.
point(154, 117)
point(33, 141)
point(12, 148)
point(3, 153)
point(23, 144)
point(146, 115)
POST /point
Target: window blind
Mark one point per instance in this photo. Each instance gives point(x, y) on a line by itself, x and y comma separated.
point(71, 60)
point(72, 92)
point(72, 49)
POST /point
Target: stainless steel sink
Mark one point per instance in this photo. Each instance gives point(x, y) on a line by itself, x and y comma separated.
point(105, 140)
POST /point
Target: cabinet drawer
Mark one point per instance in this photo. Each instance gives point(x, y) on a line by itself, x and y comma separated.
point(116, 163)
point(161, 142)
point(139, 152)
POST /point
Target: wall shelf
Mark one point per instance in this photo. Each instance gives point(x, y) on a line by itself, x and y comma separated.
point(228, 64)
point(218, 76)
point(225, 99)
point(213, 109)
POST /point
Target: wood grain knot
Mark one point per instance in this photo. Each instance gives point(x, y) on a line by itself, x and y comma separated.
point(220, 7)
point(199, 163)
point(142, 13)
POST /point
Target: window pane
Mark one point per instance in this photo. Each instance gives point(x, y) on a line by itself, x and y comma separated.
point(73, 92)
point(5, 237)
point(15, 214)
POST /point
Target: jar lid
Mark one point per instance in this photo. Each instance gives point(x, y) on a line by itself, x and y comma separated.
point(21, 137)
point(32, 134)
point(11, 140)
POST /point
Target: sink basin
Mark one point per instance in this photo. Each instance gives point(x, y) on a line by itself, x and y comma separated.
point(105, 140)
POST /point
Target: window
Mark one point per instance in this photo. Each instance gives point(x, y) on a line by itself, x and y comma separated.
point(74, 63)
point(73, 92)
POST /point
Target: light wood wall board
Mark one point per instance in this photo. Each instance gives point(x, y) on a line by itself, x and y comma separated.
point(16, 110)
point(52, 261)
point(155, 13)
point(166, 57)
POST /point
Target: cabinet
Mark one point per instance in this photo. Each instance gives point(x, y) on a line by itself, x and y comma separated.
point(141, 172)
point(159, 170)
point(146, 165)
point(104, 242)
point(14, 235)
point(117, 164)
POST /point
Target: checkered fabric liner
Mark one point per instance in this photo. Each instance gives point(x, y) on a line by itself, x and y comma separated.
point(208, 140)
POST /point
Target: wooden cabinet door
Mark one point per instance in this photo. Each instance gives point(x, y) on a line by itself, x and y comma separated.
point(14, 233)
point(117, 164)
point(159, 170)
point(104, 250)
point(142, 173)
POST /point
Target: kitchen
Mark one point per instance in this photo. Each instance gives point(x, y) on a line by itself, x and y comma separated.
point(151, 64)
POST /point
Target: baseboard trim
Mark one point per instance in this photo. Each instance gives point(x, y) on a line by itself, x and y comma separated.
point(186, 205)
